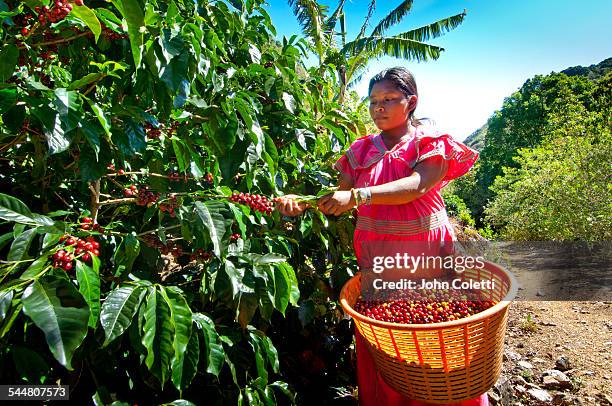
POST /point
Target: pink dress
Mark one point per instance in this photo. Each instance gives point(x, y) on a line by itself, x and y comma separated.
point(368, 162)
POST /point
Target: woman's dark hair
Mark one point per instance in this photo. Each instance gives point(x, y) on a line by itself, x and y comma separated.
point(403, 79)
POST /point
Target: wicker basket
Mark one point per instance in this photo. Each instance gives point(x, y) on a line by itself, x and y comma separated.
point(442, 362)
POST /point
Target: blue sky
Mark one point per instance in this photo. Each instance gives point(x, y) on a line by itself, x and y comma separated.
point(500, 45)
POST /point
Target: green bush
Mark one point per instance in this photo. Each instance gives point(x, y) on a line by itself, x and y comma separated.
point(129, 125)
point(456, 207)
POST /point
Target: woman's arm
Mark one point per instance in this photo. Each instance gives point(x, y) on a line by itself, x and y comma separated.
point(287, 206)
point(425, 176)
point(344, 182)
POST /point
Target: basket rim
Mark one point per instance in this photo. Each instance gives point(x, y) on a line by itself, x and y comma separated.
point(501, 305)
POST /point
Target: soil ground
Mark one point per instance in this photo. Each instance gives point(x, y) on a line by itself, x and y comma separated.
point(542, 331)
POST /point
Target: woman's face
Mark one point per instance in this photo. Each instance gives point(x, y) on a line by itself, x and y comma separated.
point(389, 107)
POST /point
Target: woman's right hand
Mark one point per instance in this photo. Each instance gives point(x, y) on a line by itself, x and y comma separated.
point(288, 206)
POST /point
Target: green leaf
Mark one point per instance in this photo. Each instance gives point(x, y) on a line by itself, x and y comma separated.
point(306, 225)
point(255, 53)
point(132, 140)
point(191, 360)
point(215, 355)
point(133, 14)
point(281, 289)
point(230, 162)
point(14, 118)
point(260, 356)
point(179, 402)
point(266, 259)
point(50, 239)
point(8, 99)
point(94, 160)
point(264, 287)
point(104, 121)
point(289, 102)
point(108, 17)
point(18, 229)
point(158, 335)
point(234, 276)
point(8, 61)
point(393, 46)
point(246, 308)
point(89, 286)
point(21, 245)
point(176, 71)
point(434, 30)
point(283, 387)
point(13, 209)
point(67, 103)
point(59, 310)
point(55, 131)
point(86, 15)
point(209, 214)
point(181, 319)
point(253, 396)
point(238, 215)
point(5, 238)
point(294, 291)
point(394, 17)
point(111, 68)
point(180, 151)
point(34, 269)
point(5, 303)
point(127, 252)
point(10, 318)
point(171, 43)
point(86, 80)
point(119, 309)
point(29, 364)
point(61, 120)
point(270, 352)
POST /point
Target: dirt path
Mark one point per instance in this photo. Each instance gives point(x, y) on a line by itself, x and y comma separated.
point(541, 332)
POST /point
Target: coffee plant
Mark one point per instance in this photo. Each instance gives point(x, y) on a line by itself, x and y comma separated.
point(143, 143)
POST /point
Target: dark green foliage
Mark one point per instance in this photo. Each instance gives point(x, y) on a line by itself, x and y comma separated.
point(546, 107)
point(193, 102)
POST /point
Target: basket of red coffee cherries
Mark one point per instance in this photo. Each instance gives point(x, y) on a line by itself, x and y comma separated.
point(436, 345)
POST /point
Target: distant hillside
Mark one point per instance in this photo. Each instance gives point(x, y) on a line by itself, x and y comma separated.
point(476, 140)
point(592, 72)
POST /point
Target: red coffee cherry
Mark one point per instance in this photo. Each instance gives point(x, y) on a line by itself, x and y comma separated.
point(422, 307)
point(256, 202)
point(169, 206)
point(146, 197)
point(200, 255)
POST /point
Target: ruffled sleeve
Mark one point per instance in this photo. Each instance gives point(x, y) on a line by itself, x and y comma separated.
point(363, 153)
point(459, 156)
point(342, 165)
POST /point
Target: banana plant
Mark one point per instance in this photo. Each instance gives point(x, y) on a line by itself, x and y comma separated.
point(352, 58)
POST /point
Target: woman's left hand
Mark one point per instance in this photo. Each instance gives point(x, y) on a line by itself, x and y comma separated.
point(336, 203)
